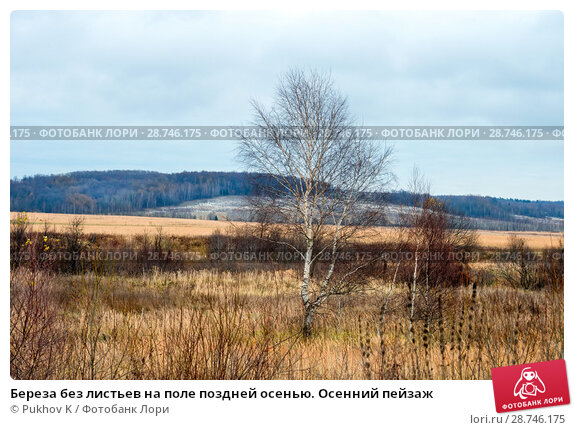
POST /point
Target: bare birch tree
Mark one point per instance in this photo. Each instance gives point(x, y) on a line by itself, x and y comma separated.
point(320, 177)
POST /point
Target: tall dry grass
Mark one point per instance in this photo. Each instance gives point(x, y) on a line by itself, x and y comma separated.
point(220, 323)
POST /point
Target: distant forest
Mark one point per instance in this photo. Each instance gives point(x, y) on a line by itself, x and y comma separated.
point(129, 192)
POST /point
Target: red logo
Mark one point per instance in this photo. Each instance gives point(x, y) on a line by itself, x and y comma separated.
point(529, 386)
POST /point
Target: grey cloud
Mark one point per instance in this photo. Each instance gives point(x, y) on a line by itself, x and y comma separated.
point(202, 68)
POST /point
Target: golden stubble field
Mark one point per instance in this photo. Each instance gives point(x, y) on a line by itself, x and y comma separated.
point(134, 225)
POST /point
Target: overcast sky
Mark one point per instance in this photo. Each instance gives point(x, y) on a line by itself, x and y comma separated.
point(203, 68)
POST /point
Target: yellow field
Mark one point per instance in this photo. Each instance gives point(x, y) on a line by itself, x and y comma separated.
point(132, 225)
point(534, 239)
point(129, 225)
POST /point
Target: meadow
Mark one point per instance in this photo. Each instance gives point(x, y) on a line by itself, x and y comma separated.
point(139, 225)
point(173, 319)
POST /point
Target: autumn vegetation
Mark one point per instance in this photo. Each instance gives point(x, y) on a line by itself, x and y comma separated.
point(209, 317)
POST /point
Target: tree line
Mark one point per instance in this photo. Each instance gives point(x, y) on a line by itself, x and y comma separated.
point(131, 191)
point(120, 191)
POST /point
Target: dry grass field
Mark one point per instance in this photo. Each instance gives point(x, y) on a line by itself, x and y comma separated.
point(216, 321)
point(128, 225)
point(219, 325)
point(135, 225)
